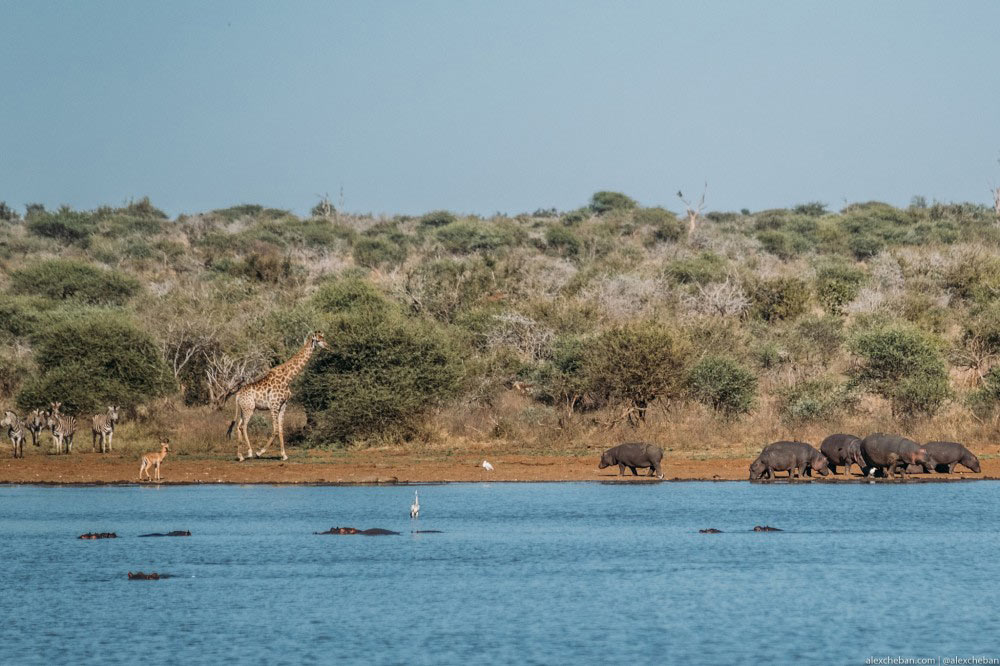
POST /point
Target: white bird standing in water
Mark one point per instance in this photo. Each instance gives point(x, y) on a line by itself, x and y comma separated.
point(415, 507)
point(488, 467)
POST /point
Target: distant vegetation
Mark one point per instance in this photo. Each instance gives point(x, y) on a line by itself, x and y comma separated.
point(551, 330)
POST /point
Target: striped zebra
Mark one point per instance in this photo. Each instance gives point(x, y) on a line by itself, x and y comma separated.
point(34, 423)
point(104, 427)
point(62, 427)
point(15, 431)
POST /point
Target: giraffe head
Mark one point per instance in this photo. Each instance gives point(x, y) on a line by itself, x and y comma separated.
point(317, 340)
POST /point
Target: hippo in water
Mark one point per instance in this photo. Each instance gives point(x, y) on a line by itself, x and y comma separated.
point(633, 455)
point(791, 457)
point(843, 450)
point(943, 456)
point(891, 453)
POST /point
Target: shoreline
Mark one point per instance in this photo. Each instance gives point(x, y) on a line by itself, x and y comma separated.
point(382, 468)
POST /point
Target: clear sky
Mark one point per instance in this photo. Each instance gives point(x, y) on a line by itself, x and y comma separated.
point(497, 106)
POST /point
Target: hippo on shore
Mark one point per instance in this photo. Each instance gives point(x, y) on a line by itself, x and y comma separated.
point(891, 454)
point(943, 456)
point(793, 457)
point(633, 455)
point(841, 449)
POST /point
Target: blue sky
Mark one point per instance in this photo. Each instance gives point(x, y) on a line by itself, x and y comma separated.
point(496, 106)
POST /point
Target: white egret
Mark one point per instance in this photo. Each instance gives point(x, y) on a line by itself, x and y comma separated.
point(488, 467)
point(415, 507)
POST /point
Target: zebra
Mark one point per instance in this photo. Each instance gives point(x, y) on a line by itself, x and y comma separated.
point(34, 423)
point(15, 430)
point(62, 427)
point(104, 427)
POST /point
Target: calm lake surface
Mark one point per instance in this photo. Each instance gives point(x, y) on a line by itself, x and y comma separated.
point(523, 573)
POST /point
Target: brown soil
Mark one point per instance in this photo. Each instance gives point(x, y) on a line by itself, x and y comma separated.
point(377, 467)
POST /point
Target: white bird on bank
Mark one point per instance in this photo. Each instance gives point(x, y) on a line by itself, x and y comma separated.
point(488, 467)
point(415, 507)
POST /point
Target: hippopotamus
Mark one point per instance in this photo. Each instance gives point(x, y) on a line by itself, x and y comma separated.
point(841, 449)
point(793, 457)
point(633, 455)
point(943, 456)
point(175, 533)
point(98, 535)
point(891, 453)
point(374, 531)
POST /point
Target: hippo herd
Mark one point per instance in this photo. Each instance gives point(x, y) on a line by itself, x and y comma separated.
point(877, 454)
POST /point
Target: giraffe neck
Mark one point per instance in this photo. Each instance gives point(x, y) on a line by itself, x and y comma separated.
point(288, 370)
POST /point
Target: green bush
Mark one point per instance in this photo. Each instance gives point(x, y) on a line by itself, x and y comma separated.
point(382, 371)
point(781, 244)
point(723, 384)
point(837, 284)
point(665, 226)
point(604, 202)
point(13, 371)
point(904, 365)
point(437, 218)
point(349, 295)
point(95, 360)
point(242, 211)
point(813, 209)
point(265, 263)
point(706, 267)
point(66, 225)
point(984, 401)
point(865, 246)
point(778, 298)
point(575, 217)
point(467, 236)
point(376, 252)
point(811, 400)
point(562, 380)
point(817, 339)
point(562, 241)
point(8, 214)
point(69, 279)
point(637, 364)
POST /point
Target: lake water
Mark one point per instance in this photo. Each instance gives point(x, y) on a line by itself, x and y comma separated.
point(563, 573)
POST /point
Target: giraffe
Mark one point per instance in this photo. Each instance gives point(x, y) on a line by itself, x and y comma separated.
point(270, 392)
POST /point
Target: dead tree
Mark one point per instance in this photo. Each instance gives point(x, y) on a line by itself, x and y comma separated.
point(693, 212)
point(995, 191)
point(224, 375)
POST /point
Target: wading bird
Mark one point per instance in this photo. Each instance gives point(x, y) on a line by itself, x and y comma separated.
point(415, 507)
point(488, 467)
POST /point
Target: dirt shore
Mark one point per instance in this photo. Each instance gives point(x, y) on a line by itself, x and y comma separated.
point(367, 467)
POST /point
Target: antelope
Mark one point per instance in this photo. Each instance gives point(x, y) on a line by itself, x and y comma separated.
point(15, 430)
point(154, 460)
point(63, 427)
point(104, 427)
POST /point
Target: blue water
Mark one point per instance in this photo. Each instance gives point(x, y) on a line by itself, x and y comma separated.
point(523, 573)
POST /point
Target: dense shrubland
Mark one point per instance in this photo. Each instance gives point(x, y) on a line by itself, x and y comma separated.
point(543, 331)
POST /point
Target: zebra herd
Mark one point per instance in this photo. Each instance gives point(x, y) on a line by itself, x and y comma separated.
point(62, 426)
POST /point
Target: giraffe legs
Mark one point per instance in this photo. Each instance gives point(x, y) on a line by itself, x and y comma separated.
point(277, 430)
point(243, 417)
